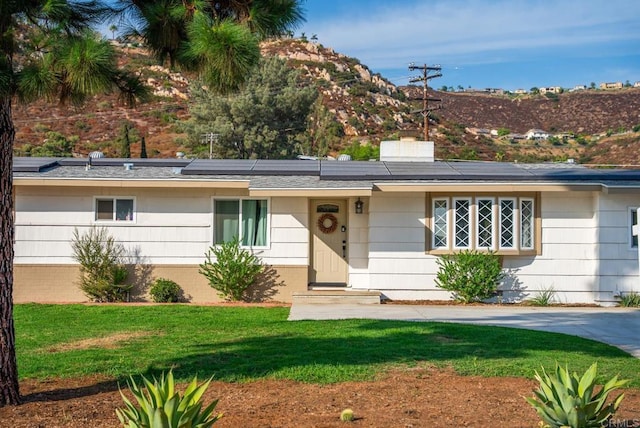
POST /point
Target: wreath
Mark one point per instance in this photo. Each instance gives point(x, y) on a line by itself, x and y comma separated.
point(333, 223)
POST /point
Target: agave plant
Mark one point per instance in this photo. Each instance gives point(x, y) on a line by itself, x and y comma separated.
point(160, 406)
point(566, 400)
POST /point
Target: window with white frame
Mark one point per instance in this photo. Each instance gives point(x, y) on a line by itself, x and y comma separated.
point(242, 219)
point(492, 223)
point(633, 220)
point(114, 209)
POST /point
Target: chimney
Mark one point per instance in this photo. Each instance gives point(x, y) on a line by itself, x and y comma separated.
point(407, 150)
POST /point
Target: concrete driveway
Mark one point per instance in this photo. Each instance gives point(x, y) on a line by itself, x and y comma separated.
point(619, 327)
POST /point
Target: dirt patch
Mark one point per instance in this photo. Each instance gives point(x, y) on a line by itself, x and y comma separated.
point(112, 341)
point(403, 398)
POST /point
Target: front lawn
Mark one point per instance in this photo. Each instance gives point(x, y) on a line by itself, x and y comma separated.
point(249, 343)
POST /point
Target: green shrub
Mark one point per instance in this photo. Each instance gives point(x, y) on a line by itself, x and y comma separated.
point(470, 275)
point(235, 269)
point(102, 269)
point(165, 291)
point(160, 406)
point(566, 400)
point(630, 300)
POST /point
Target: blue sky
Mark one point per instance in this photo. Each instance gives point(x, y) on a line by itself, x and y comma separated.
point(508, 44)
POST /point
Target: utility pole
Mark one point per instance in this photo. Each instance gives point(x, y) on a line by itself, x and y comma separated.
point(425, 98)
point(209, 137)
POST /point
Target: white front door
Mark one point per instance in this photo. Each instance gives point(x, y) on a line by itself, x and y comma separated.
point(329, 242)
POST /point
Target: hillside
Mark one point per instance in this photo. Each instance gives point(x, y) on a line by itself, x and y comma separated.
point(368, 107)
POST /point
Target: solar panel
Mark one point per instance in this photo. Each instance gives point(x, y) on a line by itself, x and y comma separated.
point(334, 170)
point(484, 169)
point(287, 167)
point(24, 164)
point(219, 167)
point(421, 170)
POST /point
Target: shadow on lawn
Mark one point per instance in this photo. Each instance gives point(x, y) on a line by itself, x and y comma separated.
point(369, 343)
point(71, 393)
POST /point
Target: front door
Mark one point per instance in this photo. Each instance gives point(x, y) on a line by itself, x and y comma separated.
point(329, 242)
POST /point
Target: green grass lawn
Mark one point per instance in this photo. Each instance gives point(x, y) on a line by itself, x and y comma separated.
point(248, 343)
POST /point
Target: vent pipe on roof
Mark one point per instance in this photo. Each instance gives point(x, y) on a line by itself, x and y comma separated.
point(128, 166)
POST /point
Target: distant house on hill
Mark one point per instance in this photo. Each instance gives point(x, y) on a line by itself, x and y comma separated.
point(611, 85)
point(552, 89)
point(636, 85)
point(520, 91)
point(536, 134)
point(578, 88)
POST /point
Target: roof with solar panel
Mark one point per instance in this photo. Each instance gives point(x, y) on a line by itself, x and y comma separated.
point(316, 173)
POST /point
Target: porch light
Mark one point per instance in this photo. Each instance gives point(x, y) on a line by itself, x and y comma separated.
point(359, 206)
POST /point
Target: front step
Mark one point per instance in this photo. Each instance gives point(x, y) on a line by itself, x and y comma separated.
point(355, 297)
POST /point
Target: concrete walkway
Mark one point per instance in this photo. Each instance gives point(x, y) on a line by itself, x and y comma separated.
point(615, 326)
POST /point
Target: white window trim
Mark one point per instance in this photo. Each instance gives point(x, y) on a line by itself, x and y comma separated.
point(477, 222)
point(514, 222)
point(454, 226)
point(113, 220)
point(631, 211)
point(447, 225)
point(240, 199)
point(533, 223)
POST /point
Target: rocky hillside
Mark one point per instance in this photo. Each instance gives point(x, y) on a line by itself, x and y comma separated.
point(584, 112)
point(368, 107)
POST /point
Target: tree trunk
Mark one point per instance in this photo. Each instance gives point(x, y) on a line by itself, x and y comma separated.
point(9, 390)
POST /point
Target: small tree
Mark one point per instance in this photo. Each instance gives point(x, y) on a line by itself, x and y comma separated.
point(102, 270)
point(470, 275)
point(503, 131)
point(143, 148)
point(234, 270)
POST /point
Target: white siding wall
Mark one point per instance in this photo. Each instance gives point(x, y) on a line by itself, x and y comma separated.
point(618, 269)
point(289, 232)
point(171, 227)
point(398, 265)
point(569, 259)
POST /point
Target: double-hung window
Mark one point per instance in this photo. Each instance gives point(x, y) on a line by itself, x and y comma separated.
point(114, 209)
point(505, 224)
point(242, 219)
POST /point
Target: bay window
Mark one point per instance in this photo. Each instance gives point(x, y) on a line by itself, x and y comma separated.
point(505, 224)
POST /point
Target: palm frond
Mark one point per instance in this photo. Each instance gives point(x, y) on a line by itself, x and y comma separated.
point(131, 89)
point(38, 80)
point(273, 18)
point(227, 51)
point(88, 64)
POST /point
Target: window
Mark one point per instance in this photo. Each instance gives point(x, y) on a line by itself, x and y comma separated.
point(440, 220)
point(507, 223)
point(490, 223)
point(633, 221)
point(114, 209)
point(485, 221)
point(244, 219)
point(462, 222)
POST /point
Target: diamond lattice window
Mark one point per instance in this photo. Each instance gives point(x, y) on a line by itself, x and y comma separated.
point(440, 232)
point(462, 223)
